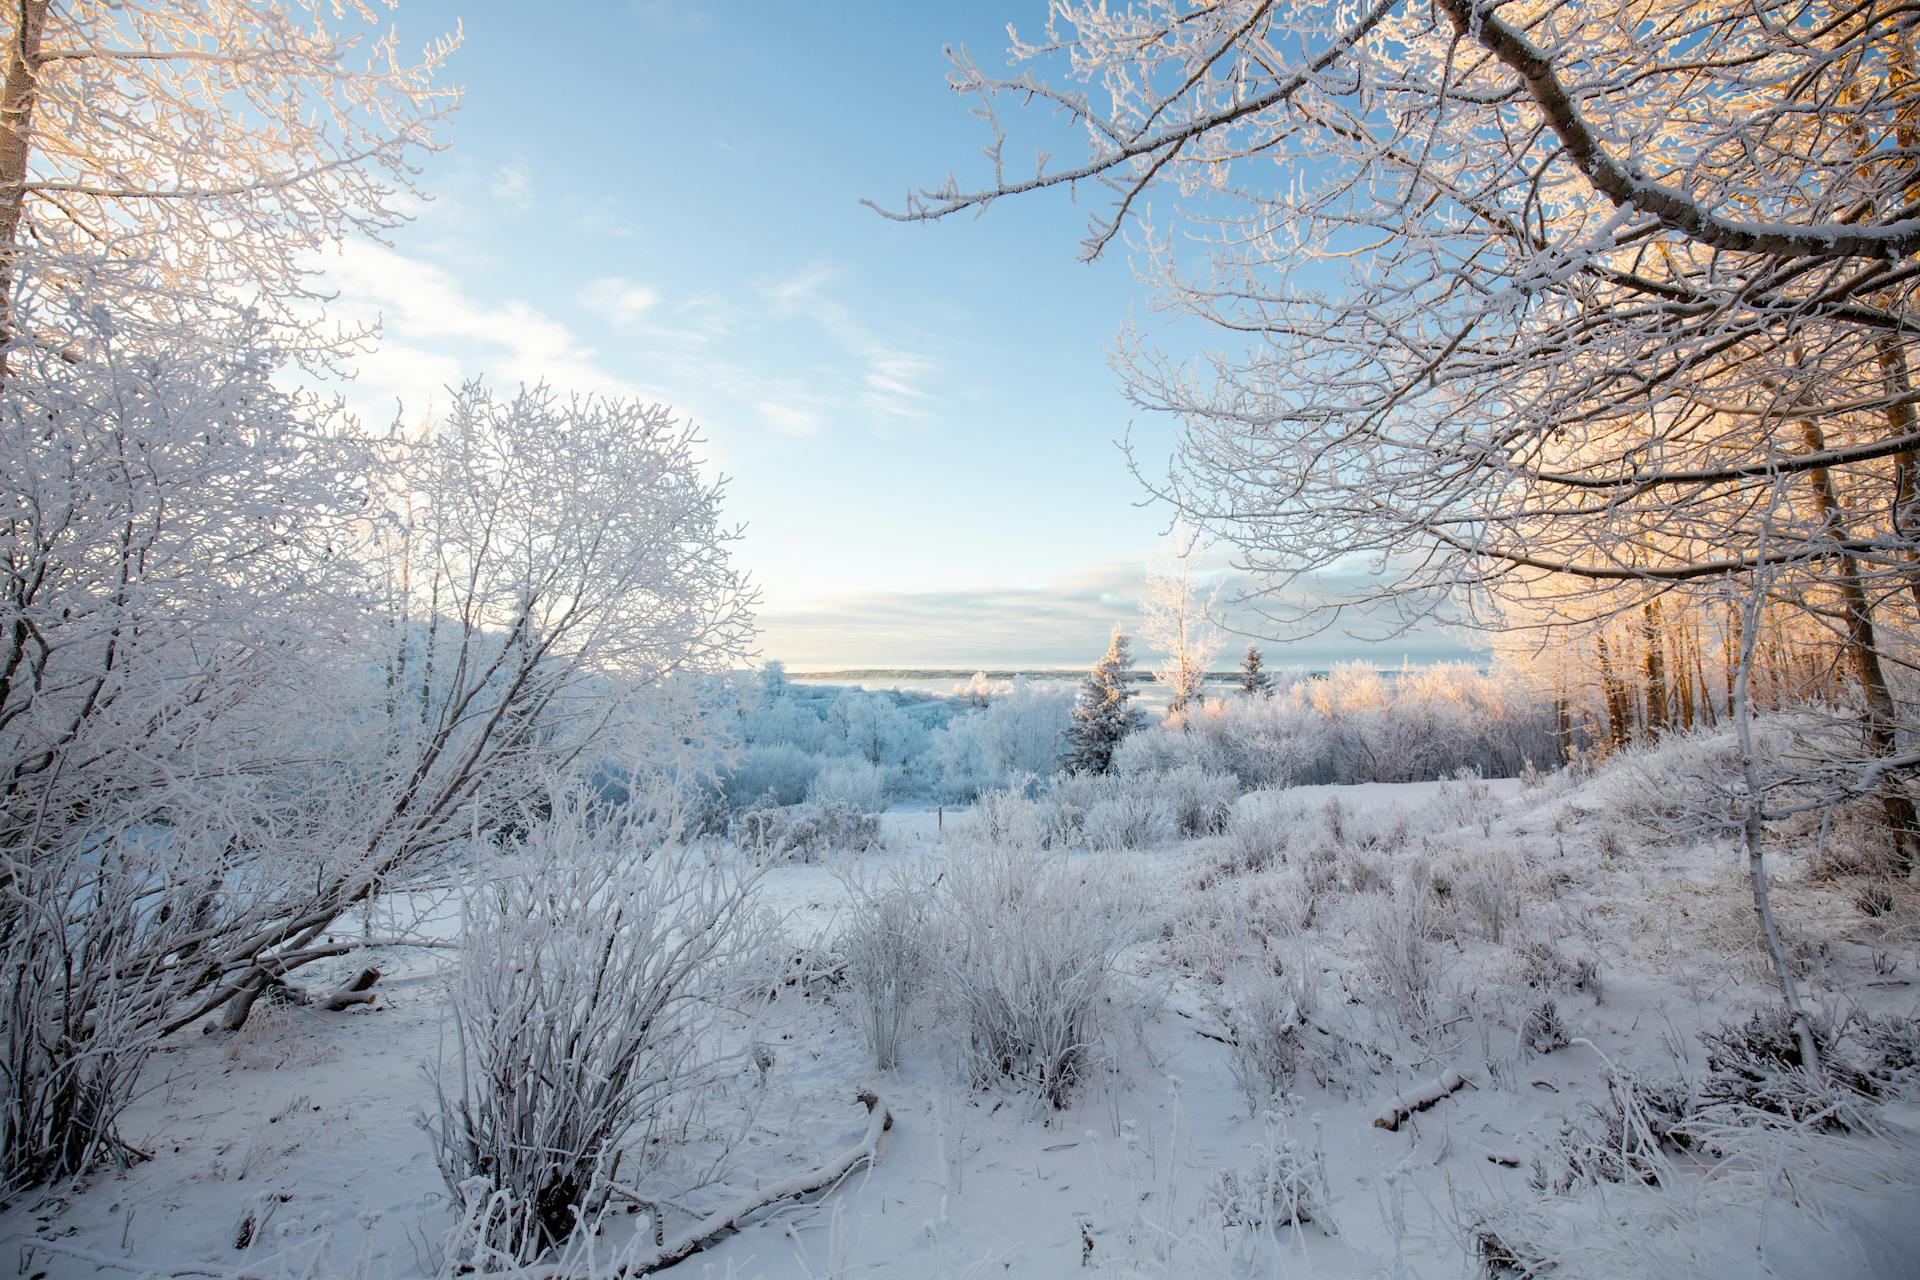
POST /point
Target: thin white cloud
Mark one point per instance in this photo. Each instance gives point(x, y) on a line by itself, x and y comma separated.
point(891, 376)
point(620, 301)
point(435, 333)
point(1063, 623)
point(512, 186)
point(789, 419)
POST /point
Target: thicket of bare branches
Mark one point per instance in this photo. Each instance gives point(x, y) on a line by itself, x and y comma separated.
point(1547, 318)
point(211, 149)
point(258, 666)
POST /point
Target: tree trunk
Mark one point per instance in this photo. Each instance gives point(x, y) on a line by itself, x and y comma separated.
point(1682, 671)
point(1610, 693)
point(1656, 669)
point(1903, 824)
point(17, 96)
point(1906, 471)
point(1753, 833)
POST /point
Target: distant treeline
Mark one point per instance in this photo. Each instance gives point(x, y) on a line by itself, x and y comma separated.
point(1137, 676)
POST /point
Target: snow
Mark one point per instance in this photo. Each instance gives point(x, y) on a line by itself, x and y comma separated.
point(307, 1120)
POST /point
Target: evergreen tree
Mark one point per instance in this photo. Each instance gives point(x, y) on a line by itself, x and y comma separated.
point(1254, 682)
point(1103, 714)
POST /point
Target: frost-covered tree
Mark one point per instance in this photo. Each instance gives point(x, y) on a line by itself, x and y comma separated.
point(1020, 732)
point(174, 620)
point(1254, 681)
point(1176, 622)
point(1524, 305)
point(1103, 712)
point(206, 149)
point(218, 736)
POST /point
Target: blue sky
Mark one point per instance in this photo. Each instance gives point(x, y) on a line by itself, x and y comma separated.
point(663, 199)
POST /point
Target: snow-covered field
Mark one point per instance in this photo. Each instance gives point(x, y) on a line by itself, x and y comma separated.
point(1415, 931)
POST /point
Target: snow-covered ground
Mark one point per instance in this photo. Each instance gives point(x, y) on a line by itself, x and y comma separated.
point(292, 1148)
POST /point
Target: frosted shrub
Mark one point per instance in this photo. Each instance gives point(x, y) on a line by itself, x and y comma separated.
point(1543, 1029)
point(1890, 1050)
point(806, 833)
point(1267, 1022)
point(1684, 782)
point(889, 951)
point(1286, 1185)
point(1354, 725)
point(1129, 816)
point(853, 782)
point(1463, 801)
point(1485, 893)
point(1012, 817)
point(1255, 841)
point(80, 936)
point(875, 727)
point(1032, 944)
point(1544, 967)
point(1756, 1067)
point(1022, 731)
point(1398, 930)
point(1168, 748)
point(775, 773)
point(591, 977)
point(1625, 1138)
point(1201, 802)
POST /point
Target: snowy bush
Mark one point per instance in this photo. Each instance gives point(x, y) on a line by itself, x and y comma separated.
point(777, 774)
point(1398, 931)
point(853, 782)
point(1021, 731)
point(592, 975)
point(1286, 1185)
point(1254, 840)
point(1011, 816)
point(889, 951)
point(1032, 944)
point(1512, 1240)
point(1357, 725)
point(1484, 893)
point(1167, 748)
point(1685, 783)
point(1756, 1066)
point(1200, 801)
point(1889, 1050)
point(1544, 967)
point(1463, 801)
point(1267, 1023)
point(1129, 817)
point(806, 832)
point(1625, 1138)
point(80, 930)
point(1543, 1029)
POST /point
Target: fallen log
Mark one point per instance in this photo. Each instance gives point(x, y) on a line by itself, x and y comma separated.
point(359, 991)
point(1395, 1111)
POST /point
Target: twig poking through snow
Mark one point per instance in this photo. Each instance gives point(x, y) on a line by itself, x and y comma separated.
point(691, 1240)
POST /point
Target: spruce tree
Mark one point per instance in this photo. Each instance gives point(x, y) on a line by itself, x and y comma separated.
point(1103, 713)
point(1254, 682)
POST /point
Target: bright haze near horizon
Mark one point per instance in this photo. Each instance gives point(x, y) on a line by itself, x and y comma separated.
point(918, 422)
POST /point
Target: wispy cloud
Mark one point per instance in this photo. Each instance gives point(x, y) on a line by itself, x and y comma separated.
point(512, 185)
point(620, 301)
point(891, 377)
point(436, 333)
point(788, 418)
point(1063, 623)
